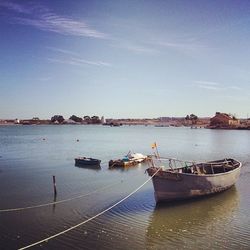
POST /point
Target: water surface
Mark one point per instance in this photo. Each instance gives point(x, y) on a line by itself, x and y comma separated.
point(31, 155)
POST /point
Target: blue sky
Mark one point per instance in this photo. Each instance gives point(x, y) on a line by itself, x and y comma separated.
point(124, 59)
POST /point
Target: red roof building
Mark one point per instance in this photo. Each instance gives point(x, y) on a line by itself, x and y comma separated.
point(224, 120)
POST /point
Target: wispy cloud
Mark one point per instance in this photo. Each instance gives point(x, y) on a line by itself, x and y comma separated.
point(15, 7)
point(235, 97)
point(44, 79)
point(79, 62)
point(215, 86)
point(207, 83)
point(208, 87)
point(95, 63)
point(182, 46)
point(234, 88)
point(185, 45)
point(44, 19)
point(63, 51)
point(138, 49)
point(74, 59)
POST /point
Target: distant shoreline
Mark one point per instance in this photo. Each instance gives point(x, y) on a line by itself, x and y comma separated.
point(220, 121)
point(152, 125)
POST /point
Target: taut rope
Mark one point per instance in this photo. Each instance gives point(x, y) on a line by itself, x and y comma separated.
point(93, 217)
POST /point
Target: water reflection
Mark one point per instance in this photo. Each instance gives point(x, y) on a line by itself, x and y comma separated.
point(54, 205)
point(123, 169)
point(192, 223)
point(130, 168)
point(27, 164)
point(93, 167)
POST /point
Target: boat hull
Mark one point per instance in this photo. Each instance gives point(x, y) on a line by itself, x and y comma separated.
point(120, 163)
point(178, 186)
point(87, 162)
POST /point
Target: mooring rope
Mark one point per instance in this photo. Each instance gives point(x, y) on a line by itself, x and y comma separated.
point(93, 217)
point(57, 202)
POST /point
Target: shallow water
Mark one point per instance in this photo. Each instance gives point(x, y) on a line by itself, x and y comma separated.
point(31, 155)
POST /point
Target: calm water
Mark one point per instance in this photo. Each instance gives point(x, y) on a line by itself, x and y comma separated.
point(27, 163)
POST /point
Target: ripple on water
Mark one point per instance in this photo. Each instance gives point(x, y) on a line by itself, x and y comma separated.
point(119, 226)
point(202, 223)
point(27, 164)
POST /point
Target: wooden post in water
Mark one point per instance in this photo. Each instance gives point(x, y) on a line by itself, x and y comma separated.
point(54, 185)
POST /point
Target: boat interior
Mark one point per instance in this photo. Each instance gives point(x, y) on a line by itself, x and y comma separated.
point(212, 167)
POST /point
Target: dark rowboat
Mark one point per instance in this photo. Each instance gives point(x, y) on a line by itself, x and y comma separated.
point(193, 180)
point(88, 162)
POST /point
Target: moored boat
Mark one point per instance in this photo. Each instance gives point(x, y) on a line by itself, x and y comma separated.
point(193, 179)
point(88, 162)
point(131, 159)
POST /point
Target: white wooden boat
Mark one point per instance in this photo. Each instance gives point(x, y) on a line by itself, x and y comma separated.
point(193, 179)
point(131, 159)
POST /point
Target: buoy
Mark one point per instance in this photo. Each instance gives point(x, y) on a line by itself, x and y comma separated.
point(77, 140)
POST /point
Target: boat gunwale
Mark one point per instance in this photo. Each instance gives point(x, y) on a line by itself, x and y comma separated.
point(201, 175)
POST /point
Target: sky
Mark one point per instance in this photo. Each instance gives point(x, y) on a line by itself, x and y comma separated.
point(124, 59)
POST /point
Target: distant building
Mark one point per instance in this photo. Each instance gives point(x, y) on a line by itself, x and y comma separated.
point(17, 121)
point(245, 122)
point(102, 120)
point(224, 120)
point(3, 122)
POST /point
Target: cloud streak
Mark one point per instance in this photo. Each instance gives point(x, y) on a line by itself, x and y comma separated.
point(207, 83)
point(138, 49)
point(208, 87)
point(182, 46)
point(44, 19)
point(74, 58)
point(234, 88)
point(189, 46)
point(62, 51)
point(15, 7)
point(214, 86)
point(79, 62)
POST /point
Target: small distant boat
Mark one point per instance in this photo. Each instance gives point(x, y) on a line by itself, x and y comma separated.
point(131, 159)
point(115, 124)
point(88, 162)
point(161, 125)
point(193, 179)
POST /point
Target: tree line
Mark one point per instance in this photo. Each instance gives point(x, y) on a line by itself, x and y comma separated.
point(86, 119)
